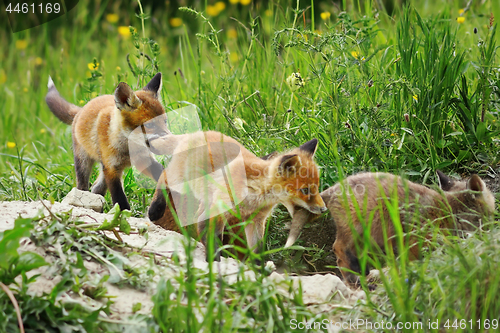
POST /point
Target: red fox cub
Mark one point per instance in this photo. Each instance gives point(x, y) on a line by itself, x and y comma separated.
point(101, 131)
point(248, 186)
point(461, 205)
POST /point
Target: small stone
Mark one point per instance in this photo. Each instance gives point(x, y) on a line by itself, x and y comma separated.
point(84, 199)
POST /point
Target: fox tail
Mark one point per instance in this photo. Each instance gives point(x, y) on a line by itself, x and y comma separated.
point(60, 107)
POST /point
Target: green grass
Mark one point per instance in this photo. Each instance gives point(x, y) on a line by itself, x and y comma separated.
point(407, 93)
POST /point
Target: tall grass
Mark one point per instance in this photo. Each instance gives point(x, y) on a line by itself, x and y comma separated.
point(405, 93)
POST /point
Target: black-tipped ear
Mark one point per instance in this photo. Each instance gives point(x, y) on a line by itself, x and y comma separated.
point(445, 182)
point(475, 184)
point(310, 147)
point(125, 98)
point(289, 163)
point(155, 84)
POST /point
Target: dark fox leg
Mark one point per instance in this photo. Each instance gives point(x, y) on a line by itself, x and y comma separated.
point(113, 180)
point(83, 168)
point(208, 226)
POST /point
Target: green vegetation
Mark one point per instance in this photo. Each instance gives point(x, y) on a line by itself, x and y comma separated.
point(408, 94)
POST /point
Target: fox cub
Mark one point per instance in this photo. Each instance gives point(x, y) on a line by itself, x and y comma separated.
point(253, 186)
point(459, 206)
point(101, 131)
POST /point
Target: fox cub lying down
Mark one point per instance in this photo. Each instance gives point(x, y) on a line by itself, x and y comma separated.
point(459, 206)
point(212, 167)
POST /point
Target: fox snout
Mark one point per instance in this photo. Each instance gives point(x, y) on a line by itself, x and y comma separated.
point(317, 209)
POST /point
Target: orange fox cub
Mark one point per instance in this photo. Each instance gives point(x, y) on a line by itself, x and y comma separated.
point(101, 132)
point(461, 205)
point(253, 186)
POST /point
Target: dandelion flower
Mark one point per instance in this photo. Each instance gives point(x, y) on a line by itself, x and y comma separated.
point(3, 77)
point(232, 33)
point(112, 18)
point(460, 19)
point(21, 44)
point(43, 130)
point(234, 57)
point(11, 144)
point(82, 102)
point(175, 22)
point(124, 31)
point(234, 2)
point(212, 10)
point(220, 6)
point(415, 97)
point(245, 2)
point(238, 123)
point(38, 61)
point(325, 16)
point(295, 81)
point(93, 66)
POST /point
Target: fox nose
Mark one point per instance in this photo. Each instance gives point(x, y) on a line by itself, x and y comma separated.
point(323, 209)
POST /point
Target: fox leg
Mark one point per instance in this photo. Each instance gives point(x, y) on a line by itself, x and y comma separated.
point(210, 226)
point(113, 180)
point(100, 186)
point(255, 229)
point(83, 167)
point(159, 203)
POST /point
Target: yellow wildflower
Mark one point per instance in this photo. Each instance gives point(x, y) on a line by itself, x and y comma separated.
point(92, 66)
point(234, 2)
point(461, 11)
point(118, 68)
point(415, 97)
point(11, 144)
point(21, 44)
point(82, 102)
point(3, 77)
point(175, 22)
point(43, 130)
point(295, 81)
point(234, 57)
point(460, 19)
point(38, 61)
point(325, 16)
point(356, 55)
point(25, 89)
point(212, 10)
point(112, 18)
point(124, 31)
point(245, 2)
point(93, 94)
point(220, 6)
point(232, 33)
point(268, 12)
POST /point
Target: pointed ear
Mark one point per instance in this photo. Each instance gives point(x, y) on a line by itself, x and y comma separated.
point(475, 184)
point(154, 85)
point(445, 182)
point(289, 163)
point(310, 147)
point(269, 156)
point(125, 98)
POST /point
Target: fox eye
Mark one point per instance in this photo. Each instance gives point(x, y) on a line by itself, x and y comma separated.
point(305, 190)
point(149, 125)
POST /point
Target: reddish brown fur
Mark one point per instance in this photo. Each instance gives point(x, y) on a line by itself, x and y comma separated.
point(101, 130)
point(269, 182)
point(461, 207)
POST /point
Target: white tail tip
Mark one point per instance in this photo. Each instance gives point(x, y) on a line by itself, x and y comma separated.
point(51, 84)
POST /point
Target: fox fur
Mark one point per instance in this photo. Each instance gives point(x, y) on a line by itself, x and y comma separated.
point(290, 178)
point(461, 205)
point(101, 131)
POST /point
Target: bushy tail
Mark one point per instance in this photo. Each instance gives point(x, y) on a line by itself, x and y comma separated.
point(60, 107)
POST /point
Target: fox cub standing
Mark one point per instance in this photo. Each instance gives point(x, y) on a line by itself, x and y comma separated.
point(100, 133)
point(461, 206)
point(290, 178)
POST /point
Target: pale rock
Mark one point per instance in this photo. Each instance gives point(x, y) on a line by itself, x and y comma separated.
point(84, 199)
